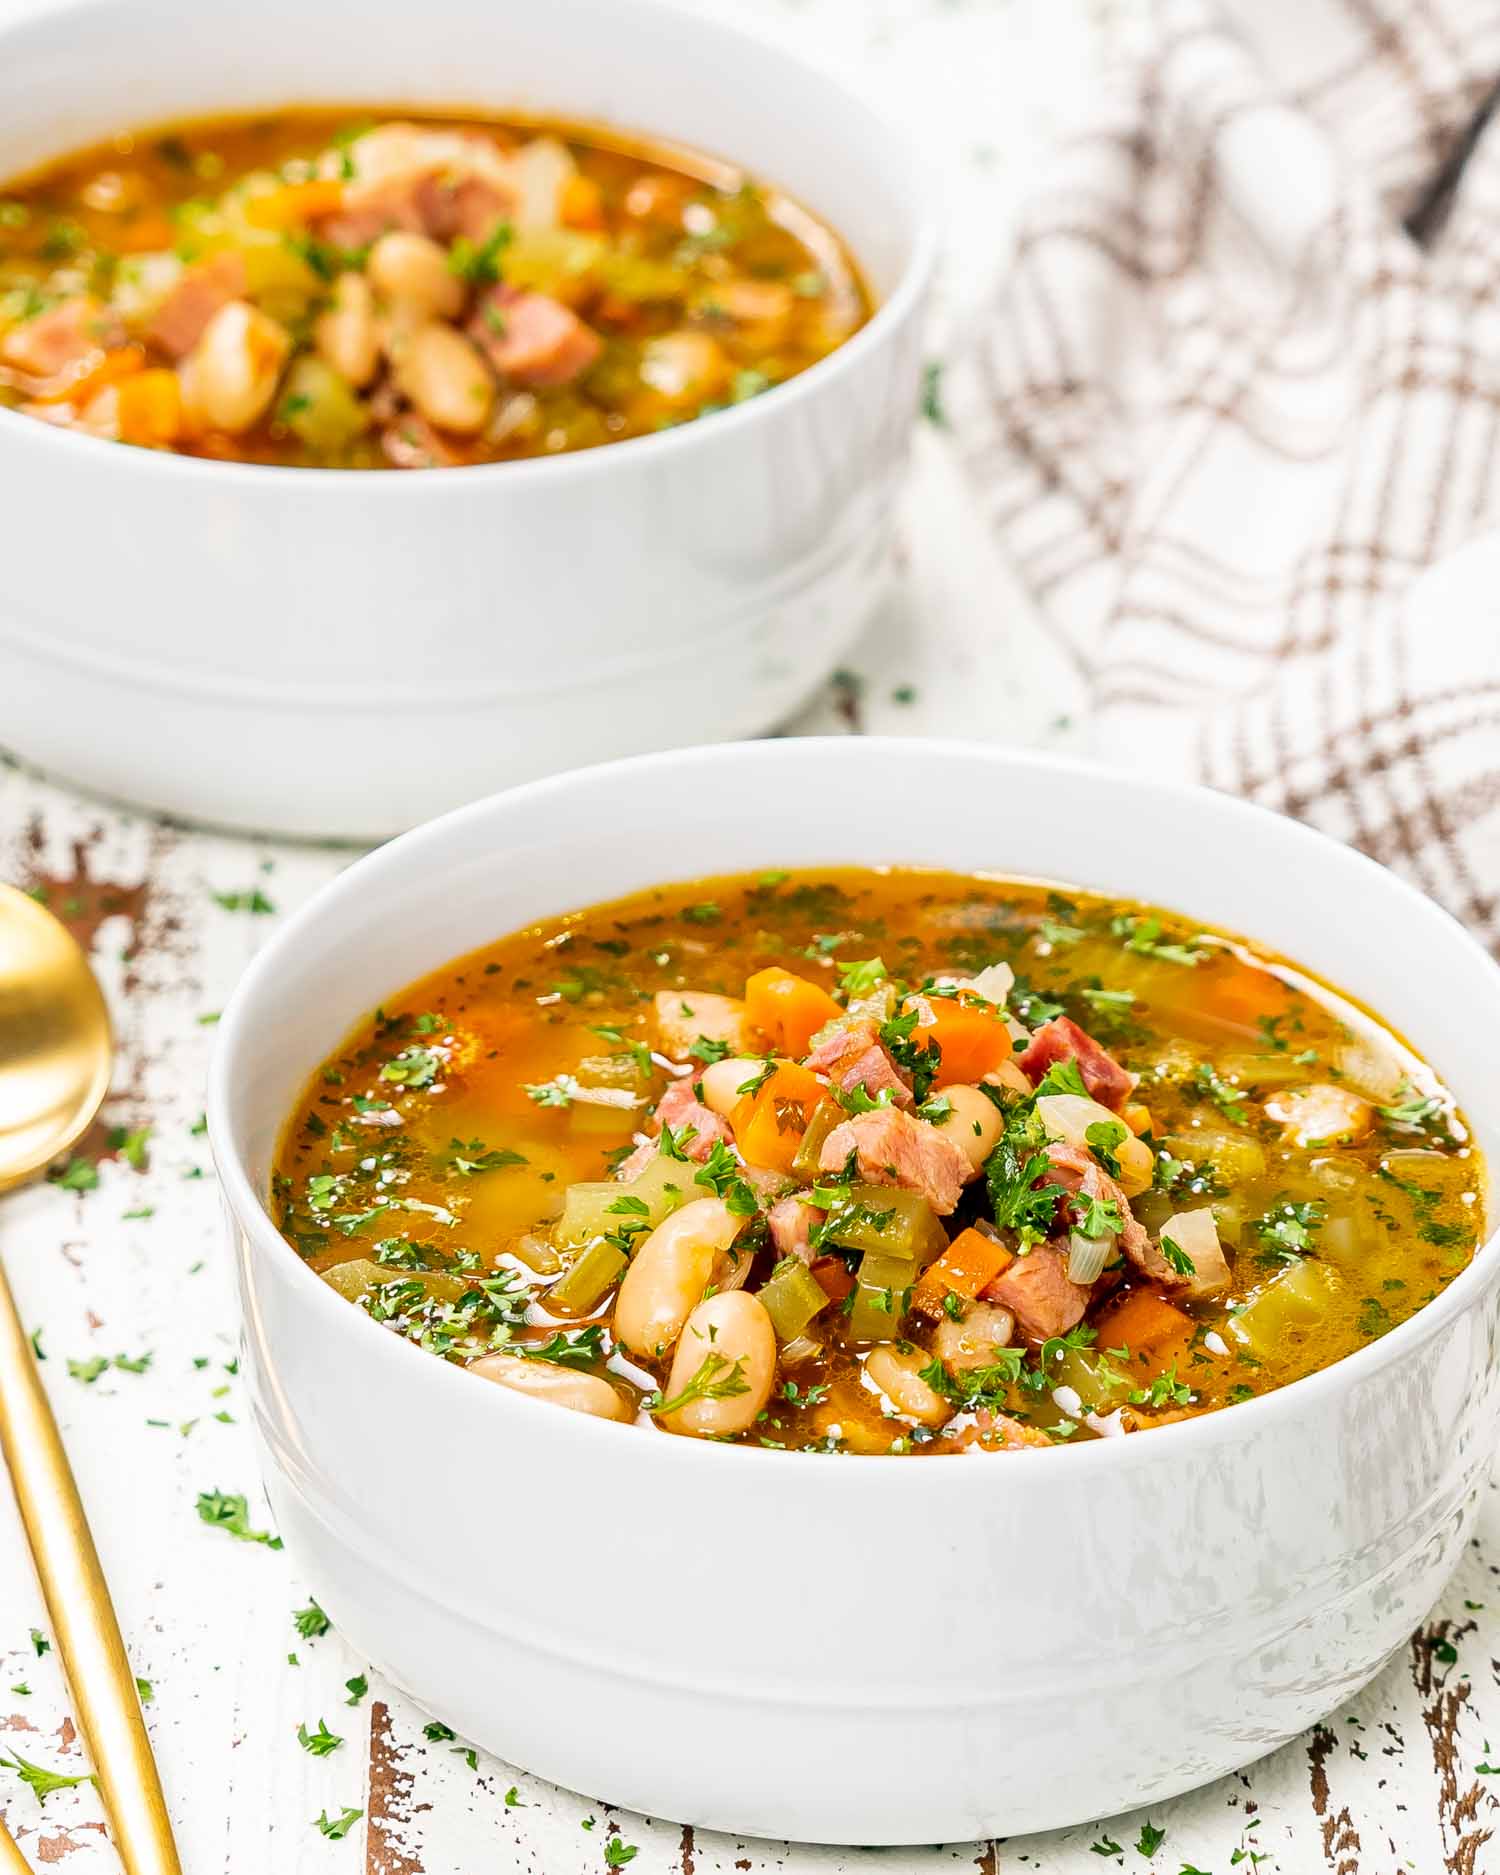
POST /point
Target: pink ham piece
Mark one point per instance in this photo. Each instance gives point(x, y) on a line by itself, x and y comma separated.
point(680, 1107)
point(178, 322)
point(61, 337)
point(891, 1148)
point(1062, 1040)
point(791, 1223)
point(855, 1057)
point(1078, 1171)
point(460, 205)
point(532, 340)
point(1036, 1290)
point(391, 205)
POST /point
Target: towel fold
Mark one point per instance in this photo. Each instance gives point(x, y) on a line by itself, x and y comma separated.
point(1228, 409)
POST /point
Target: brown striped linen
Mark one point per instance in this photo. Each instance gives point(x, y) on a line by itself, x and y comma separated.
point(1228, 408)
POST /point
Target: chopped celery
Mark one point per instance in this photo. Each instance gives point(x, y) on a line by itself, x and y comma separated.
point(826, 1116)
point(878, 1311)
point(884, 1218)
point(357, 1278)
point(662, 1185)
point(1100, 1383)
point(319, 406)
point(878, 1270)
point(1296, 1298)
point(792, 1297)
point(586, 1213)
point(588, 1282)
point(1235, 1158)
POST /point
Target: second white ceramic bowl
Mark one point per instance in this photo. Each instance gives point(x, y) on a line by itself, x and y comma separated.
point(870, 1650)
point(310, 652)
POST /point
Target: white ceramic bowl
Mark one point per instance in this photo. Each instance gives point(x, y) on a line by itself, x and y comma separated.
point(868, 1650)
point(335, 654)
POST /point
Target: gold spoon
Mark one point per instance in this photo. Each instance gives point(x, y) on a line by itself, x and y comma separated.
point(55, 1057)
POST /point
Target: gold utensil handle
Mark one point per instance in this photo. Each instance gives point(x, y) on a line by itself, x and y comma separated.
point(82, 1615)
point(12, 1862)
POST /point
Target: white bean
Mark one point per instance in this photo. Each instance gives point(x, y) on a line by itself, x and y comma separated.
point(580, 1393)
point(345, 334)
point(683, 1015)
point(722, 1080)
point(411, 269)
point(974, 1124)
point(445, 378)
point(231, 374)
point(727, 1330)
point(669, 1273)
point(966, 1345)
point(899, 1378)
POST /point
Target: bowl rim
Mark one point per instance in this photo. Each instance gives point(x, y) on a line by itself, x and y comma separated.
point(887, 319)
point(1205, 1431)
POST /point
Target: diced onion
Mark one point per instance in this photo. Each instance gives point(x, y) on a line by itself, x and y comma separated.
point(994, 983)
point(1087, 1256)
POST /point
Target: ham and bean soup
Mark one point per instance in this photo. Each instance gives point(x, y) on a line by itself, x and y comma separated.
point(412, 293)
point(889, 1162)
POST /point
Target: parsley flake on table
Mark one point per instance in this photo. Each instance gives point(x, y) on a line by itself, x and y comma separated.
point(358, 1687)
point(229, 1512)
point(617, 1853)
point(40, 1780)
point(334, 1828)
point(77, 1175)
point(254, 901)
point(1150, 1839)
point(310, 1621)
point(321, 1742)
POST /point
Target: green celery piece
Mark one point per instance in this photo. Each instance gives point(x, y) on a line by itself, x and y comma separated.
point(792, 1297)
point(588, 1282)
point(825, 1117)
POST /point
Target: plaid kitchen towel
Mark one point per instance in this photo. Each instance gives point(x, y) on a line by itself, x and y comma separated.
point(1243, 387)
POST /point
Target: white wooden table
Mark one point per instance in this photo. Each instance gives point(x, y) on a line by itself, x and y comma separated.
point(1406, 1778)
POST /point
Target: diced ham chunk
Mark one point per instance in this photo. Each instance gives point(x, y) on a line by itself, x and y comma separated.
point(1078, 1171)
point(422, 181)
point(61, 337)
point(855, 1057)
point(531, 339)
point(178, 323)
point(791, 1223)
point(1037, 1291)
point(892, 1148)
point(680, 1107)
point(1062, 1040)
point(460, 205)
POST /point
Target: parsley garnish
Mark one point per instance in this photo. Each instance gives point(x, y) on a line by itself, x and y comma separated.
point(337, 1827)
point(858, 979)
point(42, 1781)
point(577, 1350)
point(310, 1621)
point(228, 1511)
point(413, 1067)
point(1101, 1138)
point(706, 1384)
point(319, 1743)
point(1178, 1258)
point(1063, 1077)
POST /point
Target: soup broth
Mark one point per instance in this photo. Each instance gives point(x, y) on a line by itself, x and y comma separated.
point(880, 1162)
point(341, 290)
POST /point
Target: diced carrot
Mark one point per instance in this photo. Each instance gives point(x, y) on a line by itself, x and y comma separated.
point(970, 1263)
point(832, 1275)
point(294, 204)
point(1137, 1117)
point(788, 1010)
point(769, 1124)
point(93, 373)
point(143, 234)
point(580, 203)
point(149, 408)
point(1141, 1322)
point(973, 1040)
